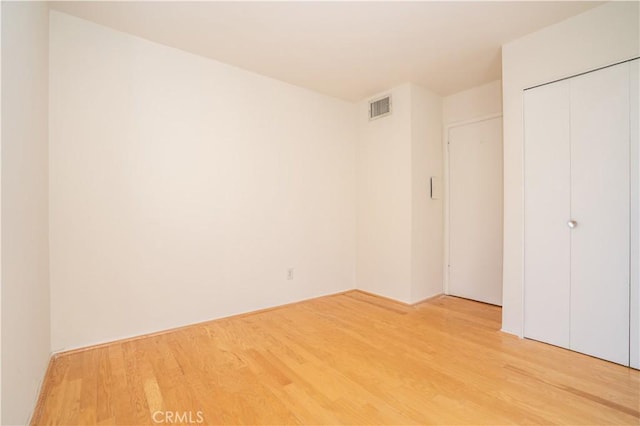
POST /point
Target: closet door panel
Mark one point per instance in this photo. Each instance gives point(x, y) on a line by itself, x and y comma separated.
point(600, 207)
point(547, 203)
point(634, 92)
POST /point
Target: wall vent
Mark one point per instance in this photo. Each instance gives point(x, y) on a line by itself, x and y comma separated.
point(380, 107)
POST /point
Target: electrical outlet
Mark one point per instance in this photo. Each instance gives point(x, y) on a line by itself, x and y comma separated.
point(290, 273)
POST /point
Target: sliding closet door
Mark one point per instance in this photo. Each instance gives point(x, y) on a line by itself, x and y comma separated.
point(547, 208)
point(600, 209)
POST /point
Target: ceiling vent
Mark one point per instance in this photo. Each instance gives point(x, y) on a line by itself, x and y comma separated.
point(380, 107)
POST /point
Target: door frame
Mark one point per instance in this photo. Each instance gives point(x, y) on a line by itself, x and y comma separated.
point(447, 209)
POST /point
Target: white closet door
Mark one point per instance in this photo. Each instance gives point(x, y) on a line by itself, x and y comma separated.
point(475, 211)
point(600, 207)
point(547, 206)
point(634, 84)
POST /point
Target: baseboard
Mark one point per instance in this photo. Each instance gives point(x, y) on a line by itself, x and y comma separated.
point(511, 333)
point(65, 352)
point(435, 296)
point(388, 299)
point(428, 299)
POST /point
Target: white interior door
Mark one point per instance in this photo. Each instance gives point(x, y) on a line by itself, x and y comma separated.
point(600, 184)
point(547, 208)
point(475, 211)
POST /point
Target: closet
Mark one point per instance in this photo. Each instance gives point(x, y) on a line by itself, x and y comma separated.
point(581, 213)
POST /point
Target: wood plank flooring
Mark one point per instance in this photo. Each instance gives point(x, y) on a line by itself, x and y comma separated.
point(345, 359)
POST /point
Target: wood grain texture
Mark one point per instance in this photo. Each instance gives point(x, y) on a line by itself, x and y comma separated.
point(352, 358)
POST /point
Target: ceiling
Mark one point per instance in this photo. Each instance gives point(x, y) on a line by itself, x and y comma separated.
point(349, 50)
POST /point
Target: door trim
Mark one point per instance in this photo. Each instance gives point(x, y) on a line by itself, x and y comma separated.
point(445, 150)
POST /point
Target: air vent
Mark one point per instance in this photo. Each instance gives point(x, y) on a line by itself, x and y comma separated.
point(380, 107)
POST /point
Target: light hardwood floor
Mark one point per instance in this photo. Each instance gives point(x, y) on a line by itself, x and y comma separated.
point(345, 359)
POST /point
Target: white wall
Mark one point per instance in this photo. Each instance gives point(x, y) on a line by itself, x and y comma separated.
point(478, 102)
point(182, 188)
point(25, 264)
point(427, 214)
point(598, 37)
point(384, 198)
point(396, 252)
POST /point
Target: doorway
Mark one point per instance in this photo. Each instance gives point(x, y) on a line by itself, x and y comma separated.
point(475, 213)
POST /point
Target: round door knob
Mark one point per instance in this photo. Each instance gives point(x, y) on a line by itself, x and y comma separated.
point(572, 224)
